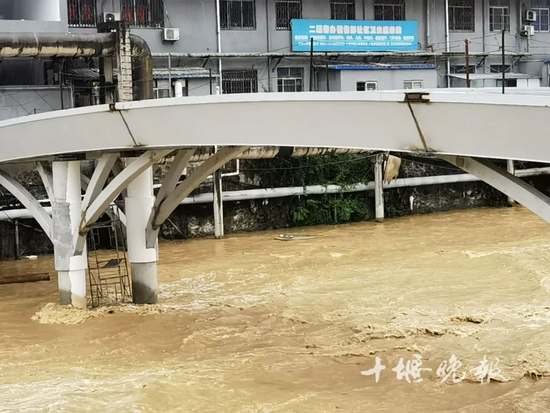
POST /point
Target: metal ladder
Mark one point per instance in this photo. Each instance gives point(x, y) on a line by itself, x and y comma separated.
point(108, 273)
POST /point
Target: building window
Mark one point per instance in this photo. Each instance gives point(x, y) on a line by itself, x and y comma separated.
point(461, 15)
point(285, 11)
point(542, 8)
point(240, 81)
point(143, 13)
point(342, 9)
point(364, 86)
point(499, 15)
point(238, 14)
point(161, 89)
point(82, 13)
point(290, 79)
point(161, 93)
point(413, 84)
point(389, 9)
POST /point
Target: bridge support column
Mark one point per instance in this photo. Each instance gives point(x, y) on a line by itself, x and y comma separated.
point(218, 204)
point(66, 215)
point(510, 167)
point(379, 188)
point(138, 205)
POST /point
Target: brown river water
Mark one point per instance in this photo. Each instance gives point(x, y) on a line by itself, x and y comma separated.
point(252, 324)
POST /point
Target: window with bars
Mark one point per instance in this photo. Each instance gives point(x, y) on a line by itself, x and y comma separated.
point(389, 9)
point(82, 13)
point(162, 89)
point(413, 84)
point(290, 79)
point(342, 9)
point(285, 11)
point(364, 86)
point(238, 14)
point(499, 15)
point(240, 81)
point(160, 93)
point(461, 15)
point(542, 8)
point(143, 13)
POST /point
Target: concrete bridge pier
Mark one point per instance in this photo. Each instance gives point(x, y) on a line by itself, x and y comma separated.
point(66, 216)
point(139, 202)
point(379, 188)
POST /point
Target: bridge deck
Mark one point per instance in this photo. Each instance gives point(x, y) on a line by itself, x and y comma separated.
point(476, 124)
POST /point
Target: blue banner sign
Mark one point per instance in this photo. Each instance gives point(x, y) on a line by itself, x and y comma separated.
point(354, 35)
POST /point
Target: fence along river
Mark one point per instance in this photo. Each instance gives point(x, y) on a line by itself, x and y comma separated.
point(252, 324)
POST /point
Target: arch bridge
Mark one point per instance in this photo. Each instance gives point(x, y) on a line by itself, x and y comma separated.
point(126, 139)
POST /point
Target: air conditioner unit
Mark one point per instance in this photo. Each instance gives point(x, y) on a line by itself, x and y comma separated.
point(110, 17)
point(170, 34)
point(527, 31)
point(531, 16)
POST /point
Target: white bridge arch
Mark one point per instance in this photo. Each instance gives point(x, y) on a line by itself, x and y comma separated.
point(460, 127)
point(464, 124)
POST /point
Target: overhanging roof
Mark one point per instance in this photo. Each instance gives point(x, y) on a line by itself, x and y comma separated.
point(494, 76)
point(381, 67)
point(182, 73)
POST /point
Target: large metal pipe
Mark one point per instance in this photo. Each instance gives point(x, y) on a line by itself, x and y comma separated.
point(142, 68)
point(219, 40)
point(265, 193)
point(82, 45)
point(267, 152)
point(203, 153)
point(447, 42)
point(57, 44)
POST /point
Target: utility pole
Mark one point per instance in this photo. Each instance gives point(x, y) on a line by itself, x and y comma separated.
point(311, 68)
point(503, 64)
point(326, 66)
point(467, 47)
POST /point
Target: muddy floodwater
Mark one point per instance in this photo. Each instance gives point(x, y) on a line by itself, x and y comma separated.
point(253, 324)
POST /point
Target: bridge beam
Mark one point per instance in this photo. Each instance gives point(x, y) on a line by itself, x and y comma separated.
point(45, 171)
point(66, 214)
point(117, 169)
point(114, 213)
point(99, 177)
point(94, 186)
point(510, 185)
point(97, 206)
point(164, 207)
point(29, 201)
point(172, 177)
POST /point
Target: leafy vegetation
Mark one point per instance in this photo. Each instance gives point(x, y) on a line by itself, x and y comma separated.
point(335, 169)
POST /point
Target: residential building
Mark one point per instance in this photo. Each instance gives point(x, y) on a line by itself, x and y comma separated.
point(264, 45)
